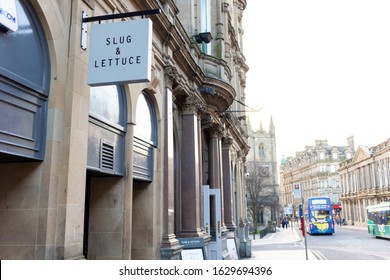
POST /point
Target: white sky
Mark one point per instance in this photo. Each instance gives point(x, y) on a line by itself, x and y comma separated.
point(320, 68)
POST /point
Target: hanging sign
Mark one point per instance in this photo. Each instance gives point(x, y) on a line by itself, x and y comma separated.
point(120, 52)
point(8, 17)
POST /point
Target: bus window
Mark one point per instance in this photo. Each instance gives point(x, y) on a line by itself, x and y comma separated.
point(378, 219)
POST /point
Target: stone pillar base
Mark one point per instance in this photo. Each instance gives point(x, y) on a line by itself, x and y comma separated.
point(172, 253)
point(170, 249)
point(245, 240)
point(225, 252)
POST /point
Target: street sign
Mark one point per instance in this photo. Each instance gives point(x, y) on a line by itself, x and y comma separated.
point(297, 190)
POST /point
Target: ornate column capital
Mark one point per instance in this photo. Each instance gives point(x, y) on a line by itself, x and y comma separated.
point(171, 76)
point(227, 142)
point(193, 104)
point(217, 130)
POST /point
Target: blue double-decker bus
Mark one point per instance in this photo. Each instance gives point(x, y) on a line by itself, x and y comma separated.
point(319, 218)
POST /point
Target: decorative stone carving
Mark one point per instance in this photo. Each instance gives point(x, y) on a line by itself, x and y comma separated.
point(216, 129)
point(171, 76)
point(225, 7)
point(227, 142)
point(193, 104)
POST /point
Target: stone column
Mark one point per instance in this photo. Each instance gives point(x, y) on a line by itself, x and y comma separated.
point(215, 158)
point(227, 184)
point(170, 248)
point(243, 231)
point(190, 224)
point(216, 174)
point(216, 131)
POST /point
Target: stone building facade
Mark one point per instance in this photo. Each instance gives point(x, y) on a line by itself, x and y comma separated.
point(262, 160)
point(126, 171)
point(365, 181)
point(316, 171)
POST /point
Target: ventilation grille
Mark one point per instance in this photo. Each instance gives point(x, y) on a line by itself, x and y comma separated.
point(107, 156)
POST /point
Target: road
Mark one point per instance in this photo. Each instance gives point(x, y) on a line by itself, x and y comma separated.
point(349, 243)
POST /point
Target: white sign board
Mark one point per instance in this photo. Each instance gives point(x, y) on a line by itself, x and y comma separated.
point(231, 245)
point(192, 254)
point(120, 52)
point(8, 17)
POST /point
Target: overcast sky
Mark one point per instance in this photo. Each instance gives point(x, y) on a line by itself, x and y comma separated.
point(320, 68)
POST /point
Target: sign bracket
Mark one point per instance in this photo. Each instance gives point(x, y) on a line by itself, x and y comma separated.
point(86, 19)
point(84, 31)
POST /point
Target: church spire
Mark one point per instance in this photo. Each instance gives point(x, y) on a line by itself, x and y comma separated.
point(261, 126)
point(271, 127)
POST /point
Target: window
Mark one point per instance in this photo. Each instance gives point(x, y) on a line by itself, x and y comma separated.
point(24, 88)
point(261, 150)
point(145, 139)
point(145, 120)
point(107, 129)
point(105, 105)
point(205, 23)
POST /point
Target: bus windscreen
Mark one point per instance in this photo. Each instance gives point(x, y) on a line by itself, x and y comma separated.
point(319, 216)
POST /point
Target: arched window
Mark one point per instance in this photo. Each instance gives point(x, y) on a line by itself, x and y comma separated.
point(24, 88)
point(145, 128)
point(261, 150)
point(107, 129)
point(107, 104)
point(145, 139)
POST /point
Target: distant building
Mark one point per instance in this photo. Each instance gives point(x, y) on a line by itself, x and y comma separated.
point(261, 159)
point(365, 180)
point(316, 171)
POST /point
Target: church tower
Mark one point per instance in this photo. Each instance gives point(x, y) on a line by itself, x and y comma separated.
point(262, 159)
point(263, 150)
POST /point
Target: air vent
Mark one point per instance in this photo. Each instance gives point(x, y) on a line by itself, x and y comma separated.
point(107, 156)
